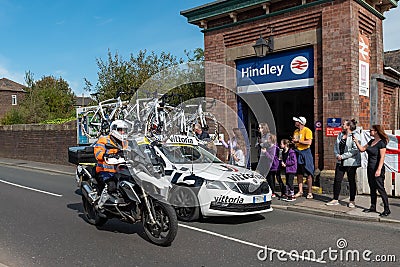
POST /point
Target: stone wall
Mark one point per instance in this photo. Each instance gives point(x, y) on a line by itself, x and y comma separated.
point(38, 142)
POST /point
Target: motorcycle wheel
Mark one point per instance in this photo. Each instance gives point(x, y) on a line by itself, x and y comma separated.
point(164, 231)
point(185, 203)
point(91, 214)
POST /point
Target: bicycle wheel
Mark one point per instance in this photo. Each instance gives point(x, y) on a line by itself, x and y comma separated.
point(128, 114)
point(158, 128)
point(177, 124)
point(92, 124)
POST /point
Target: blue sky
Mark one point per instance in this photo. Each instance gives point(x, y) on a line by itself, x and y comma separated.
point(64, 38)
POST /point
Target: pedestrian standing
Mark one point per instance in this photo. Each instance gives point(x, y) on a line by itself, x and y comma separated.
point(274, 171)
point(376, 149)
point(289, 166)
point(348, 159)
point(264, 132)
point(232, 143)
point(265, 159)
point(302, 137)
point(238, 154)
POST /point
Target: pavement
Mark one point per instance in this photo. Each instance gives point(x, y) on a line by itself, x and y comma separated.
point(314, 206)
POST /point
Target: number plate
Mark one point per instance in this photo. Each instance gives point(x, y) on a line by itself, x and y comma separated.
point(260, 199)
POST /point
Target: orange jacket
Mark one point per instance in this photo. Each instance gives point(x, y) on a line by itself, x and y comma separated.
point(103, 147)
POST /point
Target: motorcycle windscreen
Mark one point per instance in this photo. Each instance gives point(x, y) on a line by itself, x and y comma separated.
point(142, 169)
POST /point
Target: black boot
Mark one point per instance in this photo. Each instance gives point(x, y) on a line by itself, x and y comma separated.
point(371, 209)
point(385, 213)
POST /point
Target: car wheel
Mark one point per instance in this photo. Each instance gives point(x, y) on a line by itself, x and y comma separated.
point(186, 204)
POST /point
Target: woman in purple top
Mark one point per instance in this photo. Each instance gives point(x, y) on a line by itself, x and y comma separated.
point(272, 153)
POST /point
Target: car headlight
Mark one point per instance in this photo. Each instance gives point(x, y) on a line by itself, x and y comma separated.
point(259, 176)
point(232, 186)
point(215, 185)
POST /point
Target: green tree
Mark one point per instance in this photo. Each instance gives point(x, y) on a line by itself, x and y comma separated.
point(152, 72)
point(46, 99)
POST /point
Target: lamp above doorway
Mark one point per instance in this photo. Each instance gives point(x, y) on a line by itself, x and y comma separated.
point(262, 47)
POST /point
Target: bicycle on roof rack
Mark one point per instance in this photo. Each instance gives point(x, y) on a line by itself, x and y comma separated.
point(157, 114)
point(96, 121)
point(207, 120)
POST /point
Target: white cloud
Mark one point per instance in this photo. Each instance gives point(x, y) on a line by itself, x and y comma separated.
point(12, 75)
point(391, 38)
point(60, 73)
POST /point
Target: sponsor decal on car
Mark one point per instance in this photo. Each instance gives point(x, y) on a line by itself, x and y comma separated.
point(227, 199)
point(243, 176)
point(182, 139)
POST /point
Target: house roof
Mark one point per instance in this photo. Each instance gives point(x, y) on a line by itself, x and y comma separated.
point(392, 59)
point(8, 85)
point(201, 15)
point(83, 101)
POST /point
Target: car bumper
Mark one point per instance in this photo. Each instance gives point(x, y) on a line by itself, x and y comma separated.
point(237, 209)
point(216, 203)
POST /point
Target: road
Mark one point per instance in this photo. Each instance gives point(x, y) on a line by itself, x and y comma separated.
point(41, 223)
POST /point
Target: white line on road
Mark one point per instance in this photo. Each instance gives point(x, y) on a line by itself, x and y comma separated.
point(277, 251)
point(30, 188)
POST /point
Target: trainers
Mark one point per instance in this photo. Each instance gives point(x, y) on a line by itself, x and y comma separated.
point(310, 196)
point(333, 202)
point(351, 205)
point(273, 195)
point(290, 198)
point(284, 197)
point(299, 194)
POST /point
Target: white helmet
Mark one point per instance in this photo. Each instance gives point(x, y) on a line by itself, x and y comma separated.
point(119, 129)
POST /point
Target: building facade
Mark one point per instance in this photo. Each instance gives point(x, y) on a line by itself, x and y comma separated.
point(325, 63)
point(10, 95)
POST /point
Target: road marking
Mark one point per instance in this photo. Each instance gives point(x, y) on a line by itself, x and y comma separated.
point(30, 188)
point(278, 251)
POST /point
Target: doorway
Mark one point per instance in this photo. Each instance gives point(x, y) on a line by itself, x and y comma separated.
point(284, 104)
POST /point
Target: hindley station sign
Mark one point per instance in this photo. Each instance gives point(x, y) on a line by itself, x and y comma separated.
point(286, 70)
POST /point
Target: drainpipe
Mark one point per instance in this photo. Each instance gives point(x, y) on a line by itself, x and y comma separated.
point(373, 91)
point(373, 100)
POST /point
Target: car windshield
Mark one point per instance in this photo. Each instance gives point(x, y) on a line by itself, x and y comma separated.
point(185, 154)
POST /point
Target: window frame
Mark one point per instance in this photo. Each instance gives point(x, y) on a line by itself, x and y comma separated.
point(14, 100)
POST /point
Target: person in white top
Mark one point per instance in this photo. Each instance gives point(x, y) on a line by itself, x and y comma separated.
point(238, 155)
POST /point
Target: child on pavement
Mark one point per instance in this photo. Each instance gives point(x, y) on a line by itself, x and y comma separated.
point(274, 171)
point(289, 165)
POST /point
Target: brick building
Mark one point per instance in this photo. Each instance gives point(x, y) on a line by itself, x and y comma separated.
point(340, 43)
point(10, 95)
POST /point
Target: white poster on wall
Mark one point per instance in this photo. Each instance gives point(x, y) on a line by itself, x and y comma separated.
point(363, 70)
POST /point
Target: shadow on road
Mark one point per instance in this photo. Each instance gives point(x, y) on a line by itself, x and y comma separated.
point(233, 219)
point(112, 225)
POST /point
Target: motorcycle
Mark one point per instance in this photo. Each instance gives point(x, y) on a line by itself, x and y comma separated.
point(141, 196)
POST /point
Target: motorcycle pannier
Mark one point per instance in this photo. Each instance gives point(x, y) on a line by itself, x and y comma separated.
point(81, 154)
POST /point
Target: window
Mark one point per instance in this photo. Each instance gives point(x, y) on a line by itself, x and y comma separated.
point(14, 100)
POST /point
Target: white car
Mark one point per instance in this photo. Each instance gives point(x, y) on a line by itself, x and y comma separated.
point(203, 185)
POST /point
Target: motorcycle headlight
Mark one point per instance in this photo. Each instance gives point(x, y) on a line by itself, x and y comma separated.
point(215, 185)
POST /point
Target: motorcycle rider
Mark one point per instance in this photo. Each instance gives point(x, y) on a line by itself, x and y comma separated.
point(110, 146)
